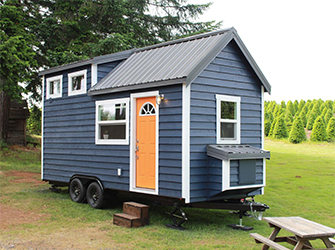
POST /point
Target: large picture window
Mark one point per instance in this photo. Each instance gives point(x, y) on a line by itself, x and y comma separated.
point(112, 121)
point(77, 83)
point(54, 87)
point(228, 120)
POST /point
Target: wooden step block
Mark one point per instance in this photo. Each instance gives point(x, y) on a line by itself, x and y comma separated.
point(136, 209)
point(129, 221)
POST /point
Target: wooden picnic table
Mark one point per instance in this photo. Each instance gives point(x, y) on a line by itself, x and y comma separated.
point(304, 231)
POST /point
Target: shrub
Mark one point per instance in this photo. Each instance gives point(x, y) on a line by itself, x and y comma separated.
point(319, 132)
point(267, 126)
point(328, 116)
point(297, 133)
point(280, 129)
point(312, 116)
point(331, 129)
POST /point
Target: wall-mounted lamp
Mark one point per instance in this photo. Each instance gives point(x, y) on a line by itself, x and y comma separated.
point(159, 99)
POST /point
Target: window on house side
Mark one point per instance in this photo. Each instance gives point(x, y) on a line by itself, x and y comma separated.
point(77, 83)
point(112, 121)
point(228, 119)
point(54, 87)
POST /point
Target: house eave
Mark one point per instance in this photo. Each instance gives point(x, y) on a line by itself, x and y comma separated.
point(137, 86)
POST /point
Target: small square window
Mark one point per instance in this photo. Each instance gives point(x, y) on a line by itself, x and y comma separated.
point(228, 119)
point(54, 87)
point(77, 83)
point(112, 121)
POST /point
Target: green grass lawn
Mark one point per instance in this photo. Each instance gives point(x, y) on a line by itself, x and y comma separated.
point(300, 182)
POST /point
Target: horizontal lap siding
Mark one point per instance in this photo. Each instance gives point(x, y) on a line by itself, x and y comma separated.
point(170, 141)
point(105, 68)
point(69, 139)
point(228, 74)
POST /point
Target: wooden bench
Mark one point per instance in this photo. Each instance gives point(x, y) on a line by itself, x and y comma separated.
point(261, 239)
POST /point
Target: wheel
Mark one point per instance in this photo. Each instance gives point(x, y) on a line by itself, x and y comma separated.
point(77, 190)
point(95, 195)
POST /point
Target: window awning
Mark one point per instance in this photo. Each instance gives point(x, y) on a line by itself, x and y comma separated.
point(229, 152)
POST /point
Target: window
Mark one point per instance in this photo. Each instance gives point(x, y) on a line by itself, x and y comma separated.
point(228, 121)
point(112, 121)
point(77, 83)
point(54, 87)
point(147, 109)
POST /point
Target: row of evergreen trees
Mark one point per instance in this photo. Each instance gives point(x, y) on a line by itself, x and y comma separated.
point(294, 119)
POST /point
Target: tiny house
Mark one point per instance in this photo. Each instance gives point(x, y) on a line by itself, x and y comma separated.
point(181, 120)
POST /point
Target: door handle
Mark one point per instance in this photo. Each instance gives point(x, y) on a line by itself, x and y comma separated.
point(137, 148)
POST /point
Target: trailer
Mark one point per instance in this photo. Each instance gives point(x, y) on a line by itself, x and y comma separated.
point(180, 121)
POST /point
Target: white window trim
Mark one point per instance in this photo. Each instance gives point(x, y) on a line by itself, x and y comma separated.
point(83, 90)
point(227, 98)
point(51, 79)
point(97, 128)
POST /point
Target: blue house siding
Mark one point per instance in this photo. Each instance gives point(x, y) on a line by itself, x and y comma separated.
point(105, 68)
point(228, 74)
point(69, 140)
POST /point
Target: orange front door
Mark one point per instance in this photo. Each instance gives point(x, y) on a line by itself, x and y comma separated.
point(146, 142)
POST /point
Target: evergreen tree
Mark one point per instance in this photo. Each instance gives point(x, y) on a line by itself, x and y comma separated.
point(312, 116)
point(319, 132)
point(288, 120)
point(303, 118)
point(297, 133)
point(267, 127)
point(280, 129)
point(301, 105)
point(289, 107)
point(331, 130)
point(328, 115)
point(295, 107)
point(273, 124)
point(283, 105)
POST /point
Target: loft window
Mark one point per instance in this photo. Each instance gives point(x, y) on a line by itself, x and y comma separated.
point(54, 87)
point(77, 83)
point(112, 121)
point(228, 120)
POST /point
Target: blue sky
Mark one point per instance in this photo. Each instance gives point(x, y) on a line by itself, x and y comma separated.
point(293, 42)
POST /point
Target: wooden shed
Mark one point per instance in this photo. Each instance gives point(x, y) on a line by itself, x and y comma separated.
point(18, 115)
point(181, 120)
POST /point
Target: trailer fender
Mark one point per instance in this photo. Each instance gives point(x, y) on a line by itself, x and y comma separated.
point(88, 180)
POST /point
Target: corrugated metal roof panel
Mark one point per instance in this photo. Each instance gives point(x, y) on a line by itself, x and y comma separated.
point(161, 63)
point(228, 152)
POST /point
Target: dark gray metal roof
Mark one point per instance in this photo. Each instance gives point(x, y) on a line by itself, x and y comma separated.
point(167, 63)
point(228, 152)
point(95, 60)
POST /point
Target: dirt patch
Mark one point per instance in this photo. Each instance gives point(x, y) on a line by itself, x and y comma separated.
point(24, 177)
point(11, 216)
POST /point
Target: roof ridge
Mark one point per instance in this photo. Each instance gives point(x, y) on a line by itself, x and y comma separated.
point(186, 39)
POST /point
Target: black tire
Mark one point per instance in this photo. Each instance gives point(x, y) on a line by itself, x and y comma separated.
point(95, 196)
point(77, 191)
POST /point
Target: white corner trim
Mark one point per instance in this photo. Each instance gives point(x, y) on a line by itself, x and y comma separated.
point(42, 130)
point(94, 74)
point(264, 174)
point(186, 142)
point(132, 163)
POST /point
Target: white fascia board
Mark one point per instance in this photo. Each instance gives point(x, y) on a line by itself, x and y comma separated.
point(186, 142)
